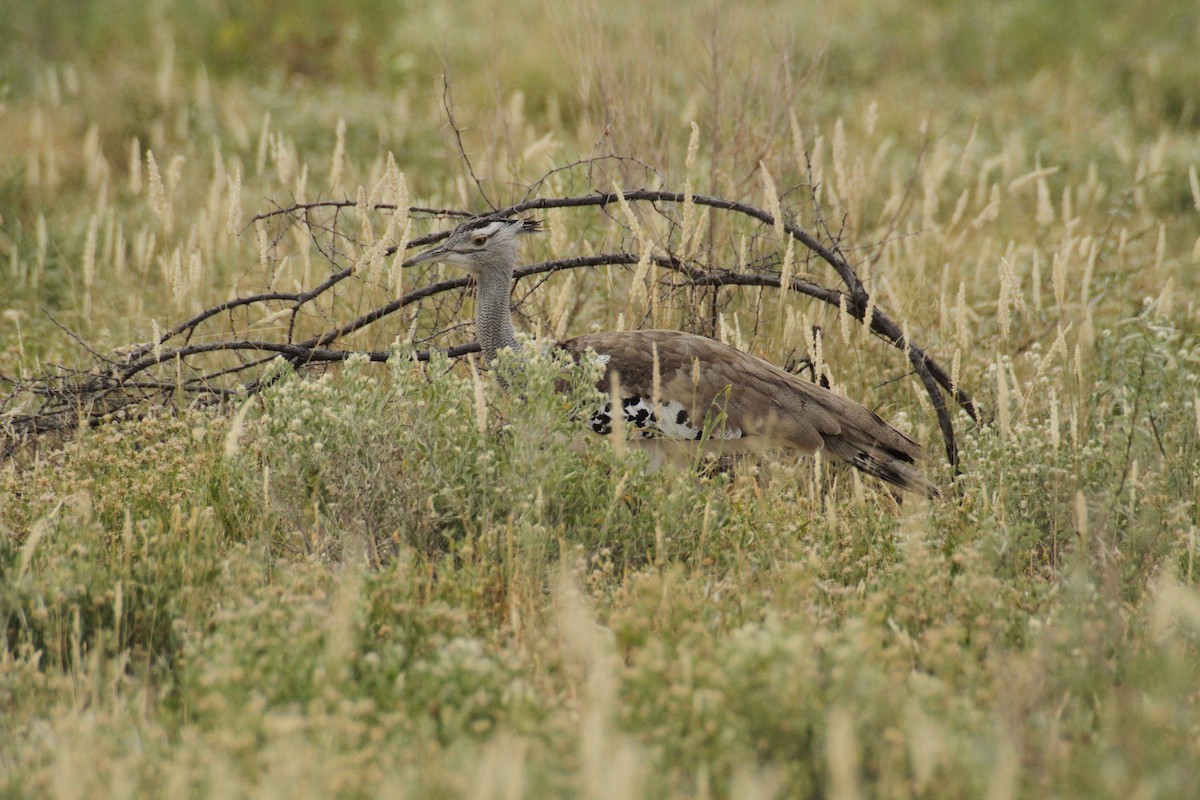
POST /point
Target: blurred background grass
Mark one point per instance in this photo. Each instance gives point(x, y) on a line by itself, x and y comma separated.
point(184, 598)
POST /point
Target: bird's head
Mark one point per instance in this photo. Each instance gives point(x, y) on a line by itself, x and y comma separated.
point(480, 246)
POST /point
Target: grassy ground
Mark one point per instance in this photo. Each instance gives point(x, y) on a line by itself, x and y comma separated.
point(397, 581)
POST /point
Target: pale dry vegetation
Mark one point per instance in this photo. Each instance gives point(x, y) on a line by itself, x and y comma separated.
point(397, 579)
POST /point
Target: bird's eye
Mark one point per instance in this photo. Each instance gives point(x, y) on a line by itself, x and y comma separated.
point(479, 241)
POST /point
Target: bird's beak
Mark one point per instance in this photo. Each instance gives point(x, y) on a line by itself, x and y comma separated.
point(432, 254)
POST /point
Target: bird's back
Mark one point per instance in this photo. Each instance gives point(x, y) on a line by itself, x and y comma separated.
point(680, 385)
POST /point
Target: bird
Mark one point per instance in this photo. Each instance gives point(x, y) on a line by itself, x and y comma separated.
point(675, 387)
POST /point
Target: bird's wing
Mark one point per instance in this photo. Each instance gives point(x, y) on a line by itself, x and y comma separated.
point(739, 395)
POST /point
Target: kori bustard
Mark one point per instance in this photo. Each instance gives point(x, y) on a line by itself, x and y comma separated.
point(702, 389)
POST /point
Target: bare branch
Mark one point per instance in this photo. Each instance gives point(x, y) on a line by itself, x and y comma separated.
point(207, 361)
point(448, 106)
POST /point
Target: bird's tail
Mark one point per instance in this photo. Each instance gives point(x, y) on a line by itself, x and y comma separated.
point(876, 459)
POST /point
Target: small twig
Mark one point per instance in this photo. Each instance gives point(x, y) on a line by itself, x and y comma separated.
point(78, 339)
point(905, 200)
point(1157, 437)
point(1137, 405)
point(318, 204)
point(448, 106)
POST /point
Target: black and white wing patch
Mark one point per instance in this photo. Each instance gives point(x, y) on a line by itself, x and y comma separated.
point(668, 420)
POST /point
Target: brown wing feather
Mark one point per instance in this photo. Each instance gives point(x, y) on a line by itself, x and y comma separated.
point(759, 399)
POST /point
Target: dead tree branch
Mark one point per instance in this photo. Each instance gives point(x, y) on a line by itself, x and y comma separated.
point(215, 354)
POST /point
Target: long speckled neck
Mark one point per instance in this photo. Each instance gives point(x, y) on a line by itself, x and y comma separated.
point(493, 312)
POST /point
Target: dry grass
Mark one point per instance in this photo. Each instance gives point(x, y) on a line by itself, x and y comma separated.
point(397, 581)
